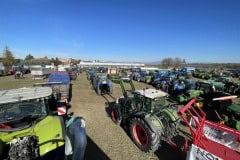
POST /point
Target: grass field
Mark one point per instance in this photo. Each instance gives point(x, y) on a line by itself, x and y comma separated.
point(9, 82)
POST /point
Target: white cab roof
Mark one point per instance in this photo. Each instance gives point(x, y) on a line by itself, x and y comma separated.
point(21, 94)
point(151, 93)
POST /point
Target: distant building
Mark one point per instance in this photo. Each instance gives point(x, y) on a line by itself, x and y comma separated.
point(109, 64)
point(66, 61)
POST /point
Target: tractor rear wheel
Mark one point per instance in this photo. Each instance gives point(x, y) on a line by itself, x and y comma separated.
point(143, 137)
point(116, 115)
point(111, 90)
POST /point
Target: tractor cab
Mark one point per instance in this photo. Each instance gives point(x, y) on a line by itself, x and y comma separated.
point(149, 99)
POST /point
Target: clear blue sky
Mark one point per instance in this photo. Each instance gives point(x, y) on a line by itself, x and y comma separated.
point(122, 30)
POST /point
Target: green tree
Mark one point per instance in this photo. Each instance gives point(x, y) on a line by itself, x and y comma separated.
point(8, 58)
point(29, 57)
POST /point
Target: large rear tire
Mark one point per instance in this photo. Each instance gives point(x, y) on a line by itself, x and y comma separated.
point(143, 137)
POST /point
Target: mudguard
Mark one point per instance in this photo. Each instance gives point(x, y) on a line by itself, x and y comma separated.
point(181, 98)
point(154, 123)
point(171, 113)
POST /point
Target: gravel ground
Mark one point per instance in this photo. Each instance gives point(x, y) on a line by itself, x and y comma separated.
point(105, 139)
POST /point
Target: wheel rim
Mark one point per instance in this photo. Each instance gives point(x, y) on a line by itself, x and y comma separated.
point(114, 115)
point(140, 134)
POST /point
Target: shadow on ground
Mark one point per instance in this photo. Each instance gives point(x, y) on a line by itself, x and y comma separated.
point(166, 151)
point(93, 152)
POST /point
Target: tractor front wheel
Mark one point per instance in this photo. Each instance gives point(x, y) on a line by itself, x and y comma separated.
point(98, 90)
point(116, 115)
point(143, 137)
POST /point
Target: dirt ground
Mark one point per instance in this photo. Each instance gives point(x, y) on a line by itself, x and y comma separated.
point(105, 139)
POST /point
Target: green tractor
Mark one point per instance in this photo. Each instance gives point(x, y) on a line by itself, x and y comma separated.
point(147, 114)
point(188, 95)
point(28, 129)
point(229, 112)
point(189, 91)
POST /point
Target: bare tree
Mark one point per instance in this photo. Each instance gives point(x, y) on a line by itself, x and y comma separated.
point(167, 62)
point(178, 62)
point(29, 57)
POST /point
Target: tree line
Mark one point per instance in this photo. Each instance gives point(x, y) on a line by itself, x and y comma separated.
point(172, 62)
point(8, 59)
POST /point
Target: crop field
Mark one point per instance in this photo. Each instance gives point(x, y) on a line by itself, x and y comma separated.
point(105, 139)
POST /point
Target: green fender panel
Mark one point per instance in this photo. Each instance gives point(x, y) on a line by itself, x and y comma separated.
point(154, 123)
point(181, 98)
point(50, 132)
point(148, 79)
point(172, 114)
point(237, 126)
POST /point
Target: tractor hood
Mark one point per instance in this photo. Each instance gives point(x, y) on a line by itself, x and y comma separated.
point(49, 130)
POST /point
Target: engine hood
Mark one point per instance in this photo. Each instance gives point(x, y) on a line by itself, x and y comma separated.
point(49, 130)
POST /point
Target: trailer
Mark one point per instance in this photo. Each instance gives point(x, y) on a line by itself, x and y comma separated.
point(39, 72)
point(60, 84)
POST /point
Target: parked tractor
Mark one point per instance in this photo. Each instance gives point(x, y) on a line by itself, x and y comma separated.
point(24, 119)
point(189, 91)
point(90, 73)
point(232, 88)
point(30, 129)
point(229, 112)
point(18, 72)
point(212, 90)
point(147, 114)
point(101, 84)
point(161, 83)
point(176, 87)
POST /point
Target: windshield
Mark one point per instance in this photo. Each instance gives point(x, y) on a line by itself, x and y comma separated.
point(17, 111)
point(159, 102)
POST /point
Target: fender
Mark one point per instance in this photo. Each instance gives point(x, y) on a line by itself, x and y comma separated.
point(171, 113)
point(154, 123)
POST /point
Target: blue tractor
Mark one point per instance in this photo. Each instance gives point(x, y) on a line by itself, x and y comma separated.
point(101, 84)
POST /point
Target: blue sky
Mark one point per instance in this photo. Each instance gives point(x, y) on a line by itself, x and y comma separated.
point(122, 30)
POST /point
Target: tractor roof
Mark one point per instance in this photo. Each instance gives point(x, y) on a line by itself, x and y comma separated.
point(151, 93)
point(21, 94)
